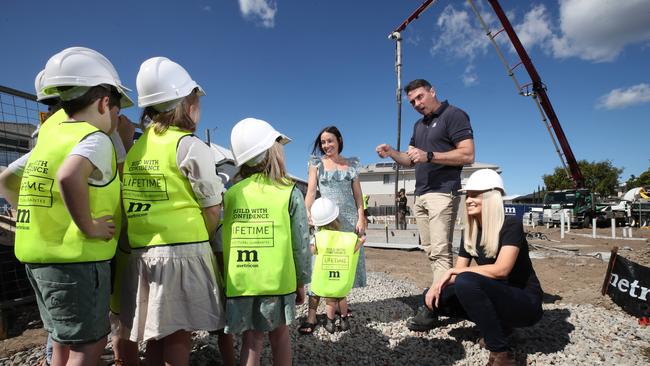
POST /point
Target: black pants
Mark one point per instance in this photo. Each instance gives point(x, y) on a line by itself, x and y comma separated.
point(492, 305)
point(401, 220)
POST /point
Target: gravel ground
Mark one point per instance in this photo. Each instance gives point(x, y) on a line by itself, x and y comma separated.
point(566, 335)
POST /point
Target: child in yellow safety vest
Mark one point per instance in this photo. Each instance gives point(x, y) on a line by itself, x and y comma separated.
point(265, 244)
point(68, 204)
point(336, 255)
point(171, 197)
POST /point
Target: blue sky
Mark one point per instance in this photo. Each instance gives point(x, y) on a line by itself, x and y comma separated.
point(302, 65)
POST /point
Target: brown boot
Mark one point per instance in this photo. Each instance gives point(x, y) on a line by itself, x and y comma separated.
point(505, 358)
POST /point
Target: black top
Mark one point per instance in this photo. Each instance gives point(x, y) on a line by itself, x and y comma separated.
point(512, 233)
point(402, 203)
point(441, 131)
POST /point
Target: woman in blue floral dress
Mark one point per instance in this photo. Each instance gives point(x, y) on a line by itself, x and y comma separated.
point(336, 178)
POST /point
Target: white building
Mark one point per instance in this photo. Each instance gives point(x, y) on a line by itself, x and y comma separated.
point(378, 182)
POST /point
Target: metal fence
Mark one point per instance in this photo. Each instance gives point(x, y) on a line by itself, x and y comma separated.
point(20, 113)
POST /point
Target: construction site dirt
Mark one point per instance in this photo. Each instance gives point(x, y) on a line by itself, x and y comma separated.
point(571, 271)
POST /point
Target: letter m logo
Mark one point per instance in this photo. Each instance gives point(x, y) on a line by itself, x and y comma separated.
point(23, 216)
point(335, 274)
point(137, 207)
point(247, 256)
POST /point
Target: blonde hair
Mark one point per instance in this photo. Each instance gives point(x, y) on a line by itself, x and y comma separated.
point(272, 166)
point(178, 116)
point(334, 225)
point(492, 216)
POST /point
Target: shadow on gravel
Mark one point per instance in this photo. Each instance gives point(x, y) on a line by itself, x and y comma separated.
point(550, 298)
point(366, 312)
point(549, 335)
point(369, 346)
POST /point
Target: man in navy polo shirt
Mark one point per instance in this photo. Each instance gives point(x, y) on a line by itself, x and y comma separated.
point(442, 142)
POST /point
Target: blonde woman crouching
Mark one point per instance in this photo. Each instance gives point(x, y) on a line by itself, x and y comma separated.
point(502, 291)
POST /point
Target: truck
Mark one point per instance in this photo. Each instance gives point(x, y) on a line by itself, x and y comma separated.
point(577, 205)
point(634, 206)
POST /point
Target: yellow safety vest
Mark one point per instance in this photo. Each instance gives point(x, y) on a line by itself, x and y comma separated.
point(257, 244)
point(53, 121)
point(45, 232)
point(335, 264)
point(159, 203)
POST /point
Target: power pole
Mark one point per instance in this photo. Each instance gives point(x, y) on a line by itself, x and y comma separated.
point(397, 36)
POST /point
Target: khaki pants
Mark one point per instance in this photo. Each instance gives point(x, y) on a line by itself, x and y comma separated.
point(435, 214)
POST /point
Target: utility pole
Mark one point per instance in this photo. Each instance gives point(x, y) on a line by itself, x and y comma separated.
point(397, 36)
point(398, 94)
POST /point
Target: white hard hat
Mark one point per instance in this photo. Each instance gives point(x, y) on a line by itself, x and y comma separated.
point(161, 80)
point(484, 180)
point(81, 67)
point(323, 211)
point(250, 138)
point(38, 87)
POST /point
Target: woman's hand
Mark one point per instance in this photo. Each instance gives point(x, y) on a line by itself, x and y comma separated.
point(437, 288)
point(362, 225)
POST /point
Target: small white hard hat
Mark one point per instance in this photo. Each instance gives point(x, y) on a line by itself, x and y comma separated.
point(323, 211)
point(83, 68)
point(163, 83)
point(484, 180)
point(38, 87)
point(251, 138)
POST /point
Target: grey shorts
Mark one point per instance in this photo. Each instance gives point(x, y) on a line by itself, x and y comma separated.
point(73, 300)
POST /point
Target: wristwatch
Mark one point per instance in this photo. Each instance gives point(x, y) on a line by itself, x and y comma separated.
point(429, 156)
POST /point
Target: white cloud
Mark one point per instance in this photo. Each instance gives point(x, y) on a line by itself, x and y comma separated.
point(207, 8)
point(599, 30)
point(470, 77)
point(262, 11)
point(535, 28)
point(459, 37)
point(622, 98)
point(592, 30)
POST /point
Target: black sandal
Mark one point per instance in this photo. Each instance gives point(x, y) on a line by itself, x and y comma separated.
point(345, 323)
point(307, 327)
point(330, 325)
point(338, 312)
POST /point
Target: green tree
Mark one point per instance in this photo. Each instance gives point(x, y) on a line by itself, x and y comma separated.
point(640, 181)
point(600, 177)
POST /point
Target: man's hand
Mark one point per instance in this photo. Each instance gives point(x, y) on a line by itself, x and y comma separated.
point(384, 150)
point(416, 155)
point(102, 228)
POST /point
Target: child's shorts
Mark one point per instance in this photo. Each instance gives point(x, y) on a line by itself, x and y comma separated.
point(73, 300)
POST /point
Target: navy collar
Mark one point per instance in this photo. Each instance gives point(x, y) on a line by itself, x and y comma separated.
point(435, 114)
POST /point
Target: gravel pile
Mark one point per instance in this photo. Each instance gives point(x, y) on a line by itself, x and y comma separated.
point(566, 335)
